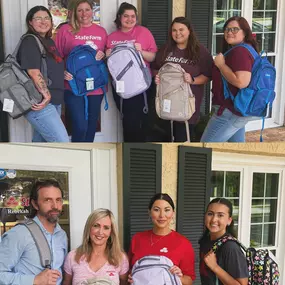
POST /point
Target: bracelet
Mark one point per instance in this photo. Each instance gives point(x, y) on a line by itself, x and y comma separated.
point(193, 79)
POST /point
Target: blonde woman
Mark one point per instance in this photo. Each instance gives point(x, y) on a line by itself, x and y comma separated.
point(82, 31)
point(100, 255)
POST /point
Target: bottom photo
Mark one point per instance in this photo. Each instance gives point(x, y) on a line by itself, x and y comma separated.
point(142, 214)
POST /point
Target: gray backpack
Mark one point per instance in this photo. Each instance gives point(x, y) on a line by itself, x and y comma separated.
point(174, 98)
point(154, 270)
point(128, 68)
point(40, 241)
point(17, 90)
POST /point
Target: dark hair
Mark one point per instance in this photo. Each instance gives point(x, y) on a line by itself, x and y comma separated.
point(161, 196)
point(193, 45)
point(229, 229)
point(34, 195)
point(249, 39)
point(30, 16)
point(123, 7)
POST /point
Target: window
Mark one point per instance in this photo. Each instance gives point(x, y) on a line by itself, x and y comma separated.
point(264, 209)
point(226, 184)
point(223, 9)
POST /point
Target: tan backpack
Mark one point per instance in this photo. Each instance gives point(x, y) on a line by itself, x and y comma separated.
point(174, 98)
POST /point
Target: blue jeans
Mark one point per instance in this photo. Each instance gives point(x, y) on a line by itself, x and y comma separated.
point(47, 124)
point(83, 130)
point(227, 127)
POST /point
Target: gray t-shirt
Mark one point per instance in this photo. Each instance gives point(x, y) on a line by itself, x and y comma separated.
point(230, 257)
point(29, 57)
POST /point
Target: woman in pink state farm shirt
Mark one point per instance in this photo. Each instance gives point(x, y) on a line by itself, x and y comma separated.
point(82, 31)
point(100, 256)
point(128, 31)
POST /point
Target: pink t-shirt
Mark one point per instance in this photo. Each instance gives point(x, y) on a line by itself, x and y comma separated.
point(138, 34)
point(94, 36)
point(82, 272)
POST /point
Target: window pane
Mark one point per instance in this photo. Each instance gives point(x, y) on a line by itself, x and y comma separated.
point(257, 21)
point(219, 21)
point(270, 210)
point(220, 5)
point(258, 4)
point(235, 203)
point(255, 235)
point(235, 4)
point(257, 211)
point(269, 235)
point(272, 185)
point(217, 44)
point(269, 42)
point(271, 5)
point(217, 183)
point(234, 13)
point(258, 185)
point(270, 21)
point(232, 184)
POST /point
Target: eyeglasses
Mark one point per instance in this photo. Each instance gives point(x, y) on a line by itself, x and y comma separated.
point(42, 19)
point(234, 30)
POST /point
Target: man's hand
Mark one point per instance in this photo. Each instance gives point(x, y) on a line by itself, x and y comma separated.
point(47, 277)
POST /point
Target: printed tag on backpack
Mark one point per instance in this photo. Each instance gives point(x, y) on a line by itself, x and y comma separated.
point(8, 105)
point(166, 105)
point(89, 84)
point(120, 86)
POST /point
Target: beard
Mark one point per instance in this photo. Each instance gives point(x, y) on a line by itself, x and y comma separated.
point(53, 219)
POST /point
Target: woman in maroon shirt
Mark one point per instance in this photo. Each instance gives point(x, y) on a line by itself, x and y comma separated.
point(227, 124)
point(183, 48)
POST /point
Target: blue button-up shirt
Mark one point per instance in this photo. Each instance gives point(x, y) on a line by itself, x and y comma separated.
point(19, 256)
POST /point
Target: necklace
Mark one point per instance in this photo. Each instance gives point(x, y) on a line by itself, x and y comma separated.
point(154, 242)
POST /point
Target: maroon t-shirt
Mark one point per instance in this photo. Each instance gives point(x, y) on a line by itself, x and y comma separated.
point(239, 59)
point(203, 66)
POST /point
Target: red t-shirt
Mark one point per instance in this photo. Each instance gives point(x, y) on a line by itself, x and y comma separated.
point(174, 246)
point(239, 59)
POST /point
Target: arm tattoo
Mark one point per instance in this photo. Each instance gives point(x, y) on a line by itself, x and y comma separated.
point(41, 85)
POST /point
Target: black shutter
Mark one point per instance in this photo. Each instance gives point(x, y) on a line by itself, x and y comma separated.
point(200, 12)
point(1, 38)
point(157, 17)
point(142, 165)
point(193, 195)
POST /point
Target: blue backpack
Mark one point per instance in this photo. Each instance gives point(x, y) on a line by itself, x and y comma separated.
point(88, 73)
point(259, 94)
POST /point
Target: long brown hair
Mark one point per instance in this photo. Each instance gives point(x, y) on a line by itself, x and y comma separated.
point(243, 24)
point(193, 46)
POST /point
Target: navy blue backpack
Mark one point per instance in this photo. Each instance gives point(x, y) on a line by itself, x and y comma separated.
point(88, 73)
point(259, 94)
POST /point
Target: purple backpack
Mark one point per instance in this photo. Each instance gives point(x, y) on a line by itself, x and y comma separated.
point(261, 267)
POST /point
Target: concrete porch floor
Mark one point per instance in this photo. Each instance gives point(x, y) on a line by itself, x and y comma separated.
point(269, 135)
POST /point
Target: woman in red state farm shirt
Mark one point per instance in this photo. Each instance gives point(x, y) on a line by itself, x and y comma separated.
point(161, 240)
point(82, 31)
point(128, 31)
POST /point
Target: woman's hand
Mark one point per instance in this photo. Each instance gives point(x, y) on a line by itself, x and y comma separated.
point(108, 52)
point(68, 76)
point(130, 279)
point(99, 55)
point(157, 79)
point(219, 60)
point(211, 260)
point(43, 104)
point(188, 78)
point(138, 47)
point(176, 271)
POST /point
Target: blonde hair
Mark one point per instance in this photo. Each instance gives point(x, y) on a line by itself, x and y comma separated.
point(113, 248)
point(73, 20)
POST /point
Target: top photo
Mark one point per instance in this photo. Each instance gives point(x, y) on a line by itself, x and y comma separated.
point(142, 71)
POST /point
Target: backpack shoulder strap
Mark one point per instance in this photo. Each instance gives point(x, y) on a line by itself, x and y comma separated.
point(42, 51)
point(252, 51)
point(40, 241)
point(219, 243)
